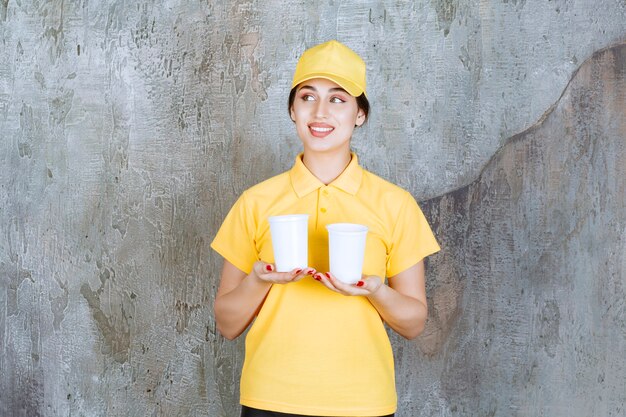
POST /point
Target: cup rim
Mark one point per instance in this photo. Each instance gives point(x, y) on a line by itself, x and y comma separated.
point(287, 218)
point(350, 228)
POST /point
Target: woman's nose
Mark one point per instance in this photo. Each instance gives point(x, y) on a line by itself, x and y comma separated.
point(322, 109)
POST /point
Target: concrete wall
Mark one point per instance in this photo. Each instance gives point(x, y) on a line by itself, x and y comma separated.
point(128, 129)
point(528, 299)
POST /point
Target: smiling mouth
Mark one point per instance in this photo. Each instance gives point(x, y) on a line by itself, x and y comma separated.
point(321, 129)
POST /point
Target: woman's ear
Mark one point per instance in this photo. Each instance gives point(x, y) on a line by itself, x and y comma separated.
point(292, 114)
point(360, 118)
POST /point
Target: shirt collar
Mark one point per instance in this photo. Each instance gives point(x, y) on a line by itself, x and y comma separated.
point(304, 181)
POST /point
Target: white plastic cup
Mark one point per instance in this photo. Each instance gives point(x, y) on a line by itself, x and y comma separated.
point(290, 237)
point(346, 247)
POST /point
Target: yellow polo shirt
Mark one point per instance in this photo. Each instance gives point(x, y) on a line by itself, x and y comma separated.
point(310, 350)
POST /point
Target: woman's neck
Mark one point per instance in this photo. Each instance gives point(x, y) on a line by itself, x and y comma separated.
point(326, 167)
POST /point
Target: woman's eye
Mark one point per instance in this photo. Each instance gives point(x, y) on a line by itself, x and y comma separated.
point(308, 97)
point(337, 100)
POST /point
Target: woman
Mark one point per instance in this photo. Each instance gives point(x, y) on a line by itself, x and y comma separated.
point(318, 347)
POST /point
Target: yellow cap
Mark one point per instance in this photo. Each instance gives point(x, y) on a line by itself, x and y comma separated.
point(333, 61)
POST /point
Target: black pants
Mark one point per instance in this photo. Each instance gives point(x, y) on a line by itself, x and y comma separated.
point(253, 412)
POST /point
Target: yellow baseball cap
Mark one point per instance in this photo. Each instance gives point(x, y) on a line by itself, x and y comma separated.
point(333, 61)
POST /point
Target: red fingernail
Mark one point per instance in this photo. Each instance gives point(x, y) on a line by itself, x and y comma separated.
point(317, 277)
point(268, 268)
point(327, 274)
point(360, 284)
point(298, 271)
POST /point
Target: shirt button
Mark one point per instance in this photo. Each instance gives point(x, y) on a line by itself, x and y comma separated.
point(325, 192)
point(323, 210)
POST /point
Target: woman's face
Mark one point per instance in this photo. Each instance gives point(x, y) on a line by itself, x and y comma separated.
point(325, 116)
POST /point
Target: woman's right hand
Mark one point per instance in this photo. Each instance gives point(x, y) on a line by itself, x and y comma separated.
point(267, 273)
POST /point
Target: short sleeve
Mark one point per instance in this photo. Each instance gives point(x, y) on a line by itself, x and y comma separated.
point(412, 239)
point(235, 240)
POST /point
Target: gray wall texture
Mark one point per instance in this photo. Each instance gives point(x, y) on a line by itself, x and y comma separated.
point(129, 128)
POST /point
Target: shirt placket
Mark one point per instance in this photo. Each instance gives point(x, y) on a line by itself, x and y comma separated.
point(323, 206)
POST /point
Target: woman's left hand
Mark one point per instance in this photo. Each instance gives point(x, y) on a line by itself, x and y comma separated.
point(368, 285)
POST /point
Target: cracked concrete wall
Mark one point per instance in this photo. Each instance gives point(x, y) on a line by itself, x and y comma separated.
point(129, 128)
